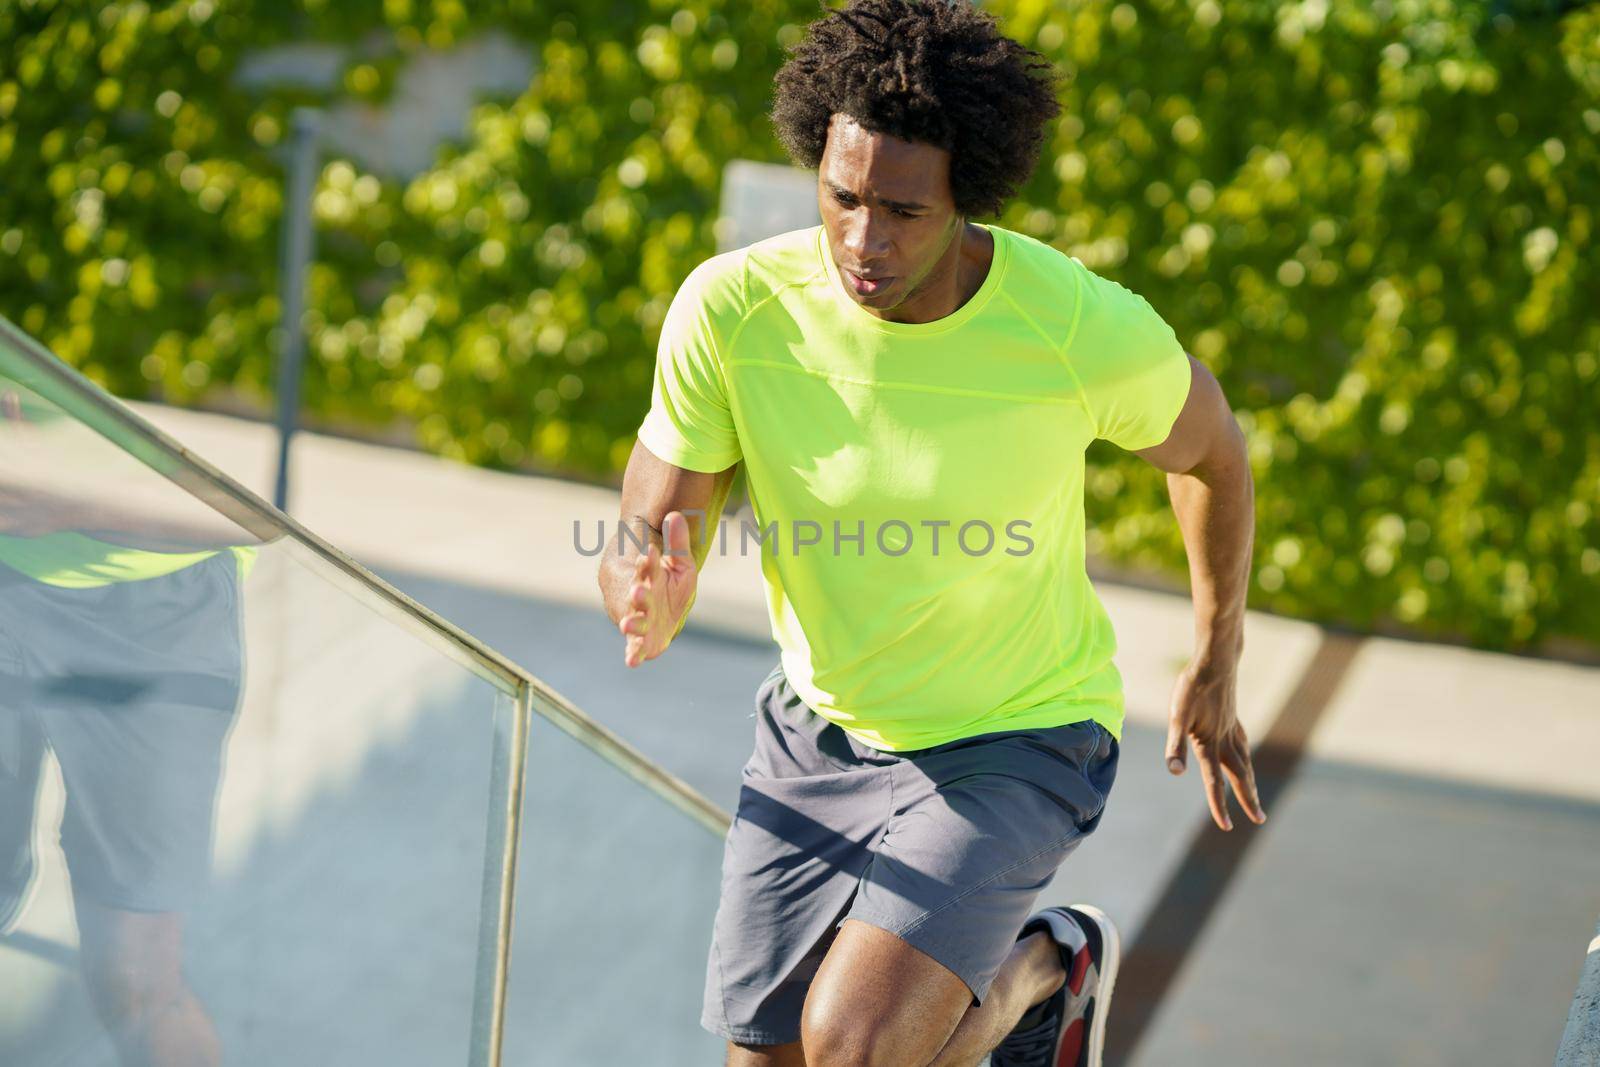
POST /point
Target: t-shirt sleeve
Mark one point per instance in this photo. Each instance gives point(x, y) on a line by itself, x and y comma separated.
point(690, 423)
point(1133, 371)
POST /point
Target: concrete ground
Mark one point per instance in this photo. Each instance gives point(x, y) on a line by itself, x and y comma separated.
point(1423, 892)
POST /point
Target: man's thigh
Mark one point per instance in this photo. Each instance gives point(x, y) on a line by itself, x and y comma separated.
point(809, 812)
point(135, 686)
point(979, 830)
point(875, 992)
point(141, 785)
point(790, 867)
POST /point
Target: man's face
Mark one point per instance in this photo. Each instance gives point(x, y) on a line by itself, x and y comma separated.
point(887, 208)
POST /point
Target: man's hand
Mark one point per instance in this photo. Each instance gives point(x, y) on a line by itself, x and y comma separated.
point(663, 586)
point(1203, 712)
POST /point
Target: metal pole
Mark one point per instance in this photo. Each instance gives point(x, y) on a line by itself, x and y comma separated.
point(507, 776)
point(294, 261)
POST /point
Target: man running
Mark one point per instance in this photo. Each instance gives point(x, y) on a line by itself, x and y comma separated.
point(911, 394)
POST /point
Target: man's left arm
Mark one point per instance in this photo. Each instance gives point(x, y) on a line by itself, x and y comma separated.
point(1213, 495)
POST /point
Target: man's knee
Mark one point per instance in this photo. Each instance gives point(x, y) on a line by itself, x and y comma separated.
point(878, 1002)
point(835, 1035)
point(130, 992)
point(132, 964)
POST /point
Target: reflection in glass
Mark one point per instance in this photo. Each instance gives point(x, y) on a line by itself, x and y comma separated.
point(258, 808)
point(252, 807)
point(121, 654)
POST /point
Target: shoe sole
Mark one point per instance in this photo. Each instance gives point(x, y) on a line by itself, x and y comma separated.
point(1110, 959)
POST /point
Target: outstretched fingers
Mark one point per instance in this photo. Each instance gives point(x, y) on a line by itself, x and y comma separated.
point(635, 623)
point(1241, 774)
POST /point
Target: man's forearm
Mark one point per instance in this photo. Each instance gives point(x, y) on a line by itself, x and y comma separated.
point(1215, 506)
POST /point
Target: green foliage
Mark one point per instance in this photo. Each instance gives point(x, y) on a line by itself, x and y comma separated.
point(1373, 221)
point(1371, 218)
point(506, 302)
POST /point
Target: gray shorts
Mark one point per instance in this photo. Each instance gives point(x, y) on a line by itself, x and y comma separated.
point(944, 847)
point(134, 686)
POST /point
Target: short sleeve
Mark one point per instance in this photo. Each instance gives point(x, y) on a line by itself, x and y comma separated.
point(1133, 371)
point(690, 423)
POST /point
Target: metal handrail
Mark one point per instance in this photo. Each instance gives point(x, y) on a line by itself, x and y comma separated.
point(240, 505)
point(522, 692)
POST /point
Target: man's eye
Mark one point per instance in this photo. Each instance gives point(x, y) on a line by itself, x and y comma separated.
point(906, 214)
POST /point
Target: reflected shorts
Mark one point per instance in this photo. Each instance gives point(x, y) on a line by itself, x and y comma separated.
point(134, 687)
point(945, 847)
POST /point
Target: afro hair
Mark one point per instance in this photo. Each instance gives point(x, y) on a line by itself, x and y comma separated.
point(934, 71)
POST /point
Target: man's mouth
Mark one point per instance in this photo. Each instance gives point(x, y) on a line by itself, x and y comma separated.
point(867, 286)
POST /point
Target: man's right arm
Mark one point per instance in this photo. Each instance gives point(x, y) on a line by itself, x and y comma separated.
point(651, 489)
point(684, 462)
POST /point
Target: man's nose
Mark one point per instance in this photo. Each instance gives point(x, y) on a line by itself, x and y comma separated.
point(865, 237)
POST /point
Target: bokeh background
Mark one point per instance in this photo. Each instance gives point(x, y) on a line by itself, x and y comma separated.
point(1374, 221)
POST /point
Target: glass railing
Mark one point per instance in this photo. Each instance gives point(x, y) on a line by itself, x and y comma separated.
point(258, 807)
point(614, 910)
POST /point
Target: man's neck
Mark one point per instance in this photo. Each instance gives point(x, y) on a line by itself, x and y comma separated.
point(956, 281)
point(977, 253)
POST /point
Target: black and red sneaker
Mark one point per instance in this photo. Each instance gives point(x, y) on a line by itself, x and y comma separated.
point(1068, 1029)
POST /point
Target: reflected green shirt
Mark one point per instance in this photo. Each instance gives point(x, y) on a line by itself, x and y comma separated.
point(919, 485)
point(73, 561)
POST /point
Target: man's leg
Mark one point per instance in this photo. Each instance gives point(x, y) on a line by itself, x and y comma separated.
point(144, 681)
point(133, 967)
point(1031, 973)
point(878, 1002)
point(136, 834)
point(981, 827)
point(809, 809)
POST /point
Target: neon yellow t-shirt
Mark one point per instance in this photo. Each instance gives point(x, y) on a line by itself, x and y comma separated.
point(919, 485)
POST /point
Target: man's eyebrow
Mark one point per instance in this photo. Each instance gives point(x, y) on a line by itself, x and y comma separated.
point(903, 205)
